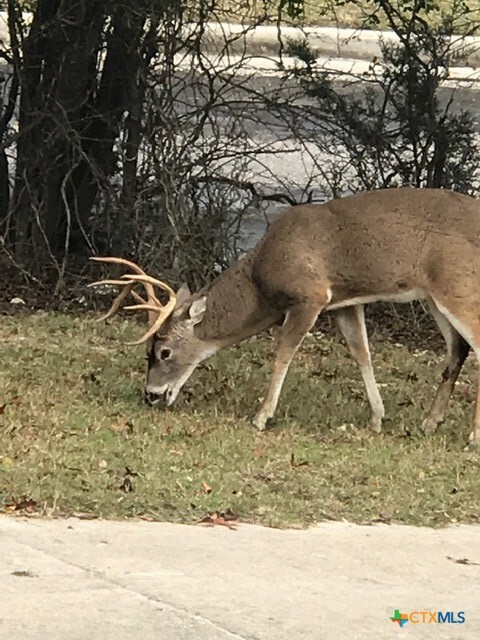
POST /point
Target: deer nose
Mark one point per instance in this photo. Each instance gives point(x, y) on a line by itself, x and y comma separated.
point(151, 398)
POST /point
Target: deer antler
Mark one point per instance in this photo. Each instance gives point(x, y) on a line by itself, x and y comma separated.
point(164, 311)
point(157, 312)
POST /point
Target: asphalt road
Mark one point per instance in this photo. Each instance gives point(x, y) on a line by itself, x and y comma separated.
point(289, 155)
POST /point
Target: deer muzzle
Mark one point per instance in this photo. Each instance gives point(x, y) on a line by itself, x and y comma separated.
point(152, 398)
point(163, 396)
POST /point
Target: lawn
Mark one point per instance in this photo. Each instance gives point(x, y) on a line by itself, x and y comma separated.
point(76, 438)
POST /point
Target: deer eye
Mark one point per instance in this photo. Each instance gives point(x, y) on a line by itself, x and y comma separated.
point(165, 354)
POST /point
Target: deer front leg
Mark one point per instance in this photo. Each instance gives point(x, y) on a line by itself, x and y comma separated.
point(299, 320)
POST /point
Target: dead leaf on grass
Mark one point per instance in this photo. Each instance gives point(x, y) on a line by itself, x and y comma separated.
point(147, 518)
point(206, 488)
point(383, 518)
point(468, 394)
point(223, 519)
point(13, 401)
point(122, 427)
point(118, 427)
point(30, 432)
point(294, 463)
point(80, 515)
point(262, 477)
point(23, 504)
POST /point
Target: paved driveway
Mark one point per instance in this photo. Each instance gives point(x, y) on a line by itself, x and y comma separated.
point(79, 580)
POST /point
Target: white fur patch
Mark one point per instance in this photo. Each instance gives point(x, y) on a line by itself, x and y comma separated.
point(405, 296)
point(460, 327)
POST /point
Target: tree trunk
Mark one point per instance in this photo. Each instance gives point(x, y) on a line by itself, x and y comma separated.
point(71, 109)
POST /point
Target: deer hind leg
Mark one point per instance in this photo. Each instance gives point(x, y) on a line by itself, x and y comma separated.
point(351, 322)
point(468, 325)
point(299, 320)
point(457, 352)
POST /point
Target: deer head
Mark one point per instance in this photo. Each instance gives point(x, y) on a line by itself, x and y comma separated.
point(176, 350)
point(173, 349)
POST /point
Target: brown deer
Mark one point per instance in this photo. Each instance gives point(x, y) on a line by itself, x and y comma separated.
point(396, 244)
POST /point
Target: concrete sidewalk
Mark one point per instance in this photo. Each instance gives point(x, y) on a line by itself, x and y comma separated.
point(78, 580)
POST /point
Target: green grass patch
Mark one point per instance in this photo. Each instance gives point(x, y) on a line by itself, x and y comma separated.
point(72, 421)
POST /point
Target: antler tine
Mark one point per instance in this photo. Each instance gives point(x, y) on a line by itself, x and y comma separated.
point(145, 279)
point(111, 281)
point(128, 284)
point(152, 305)
point(117, 303)
point(126, 280)
point(163, 313)
point(162, 316)
point(138, 298)
point(150, 291)
point(143, 305)
point(112, 260)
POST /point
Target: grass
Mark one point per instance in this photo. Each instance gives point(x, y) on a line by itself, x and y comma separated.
point(353, 14)
point(72, 421)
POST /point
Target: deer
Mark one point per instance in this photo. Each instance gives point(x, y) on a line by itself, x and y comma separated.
point(399, 244)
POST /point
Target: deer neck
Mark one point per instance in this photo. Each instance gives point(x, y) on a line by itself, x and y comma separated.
point(235, 308)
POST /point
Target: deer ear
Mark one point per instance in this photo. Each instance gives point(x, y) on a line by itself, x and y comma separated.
point(183, 294)
point(197, 310)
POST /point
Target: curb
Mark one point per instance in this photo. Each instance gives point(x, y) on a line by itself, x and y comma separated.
point(354, 44)
point(342, 69)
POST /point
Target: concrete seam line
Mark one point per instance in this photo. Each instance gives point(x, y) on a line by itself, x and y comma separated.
point(105, 579)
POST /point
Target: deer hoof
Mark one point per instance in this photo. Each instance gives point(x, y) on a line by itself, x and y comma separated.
point(261, 421)
point(429, 425)
point(473, 442)
point(375, 424)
